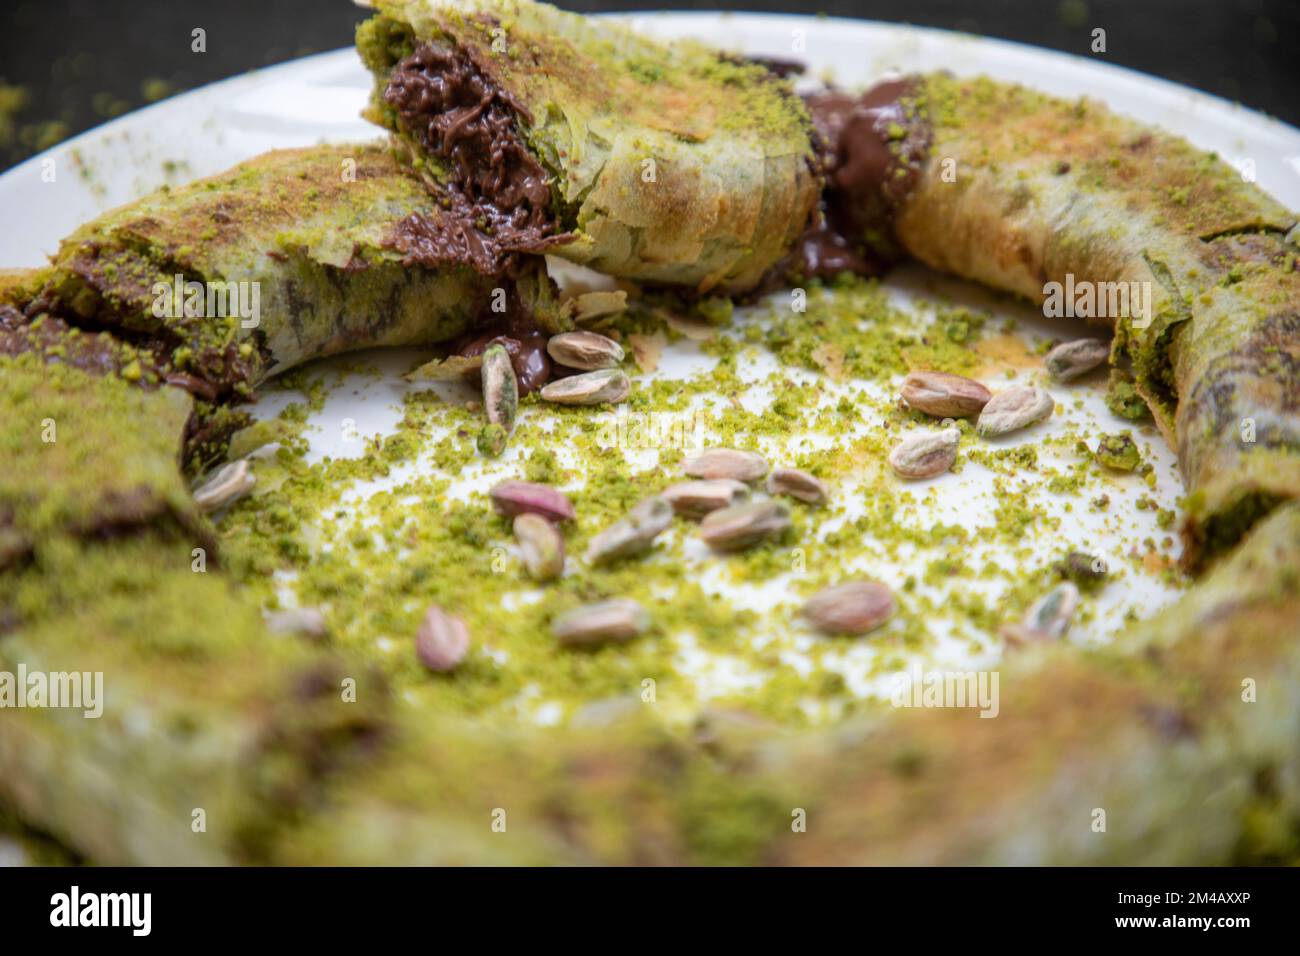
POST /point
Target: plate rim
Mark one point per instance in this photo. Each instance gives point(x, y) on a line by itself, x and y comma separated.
point(900, 31)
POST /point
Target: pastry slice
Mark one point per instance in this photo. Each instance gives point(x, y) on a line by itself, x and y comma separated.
point(666, 163)
point(128, 353)
point(1124, 225)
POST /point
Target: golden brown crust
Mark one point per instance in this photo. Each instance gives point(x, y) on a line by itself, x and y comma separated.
point(672, 163)
point(1046, 188)
point(1157, 732)
point(314, 230)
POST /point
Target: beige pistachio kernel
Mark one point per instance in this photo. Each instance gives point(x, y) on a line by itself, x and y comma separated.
point(500, 388)
point(695, 499)
point(793, 483)
point(584, 350)
point(1014, 408)
point(1069, 360)
point(227, 485)
point(854, 607)
point(632, 535)
point(541, 545)
point(1048, 619)
point(743, 526)
point(716, 463)
point(619, 619)
point(589, 388)
point(943, 395)
point(442, 641)
point(925, 456)
point(511, 498)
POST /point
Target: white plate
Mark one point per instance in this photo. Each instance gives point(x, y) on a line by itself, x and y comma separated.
point(318, 99)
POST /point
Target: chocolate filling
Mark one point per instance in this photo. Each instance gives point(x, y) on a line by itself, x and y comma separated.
point(53, 331)
point(497, 194)
point(102, 345)
point(518, 331)
point(526, 345)
point(97, 354)
point(874, 146)
point(870, 148)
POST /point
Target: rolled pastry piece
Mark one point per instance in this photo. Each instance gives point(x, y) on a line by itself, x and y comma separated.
point(293, 255)
point(208, 289)
point(88, 455)
point(182, 733)
point(197, 733)
point(1096, 215)
point(661, 162)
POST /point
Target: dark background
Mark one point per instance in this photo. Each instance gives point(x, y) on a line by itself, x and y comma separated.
point(68, 65)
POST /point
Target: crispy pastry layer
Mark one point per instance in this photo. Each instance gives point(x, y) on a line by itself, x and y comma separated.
point(1020, 189)
point(666, 163)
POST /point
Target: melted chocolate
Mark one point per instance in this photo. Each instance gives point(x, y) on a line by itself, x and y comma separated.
point(515, 328)
point(498, 194)
point(874, 145)
point(57, 341)
point(62, 337)
point(870, 148)
point(198, 387)
point(527, 351)
point(823, 252)
point(452, 238)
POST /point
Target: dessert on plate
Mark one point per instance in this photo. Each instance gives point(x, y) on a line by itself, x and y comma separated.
point(151, 528)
